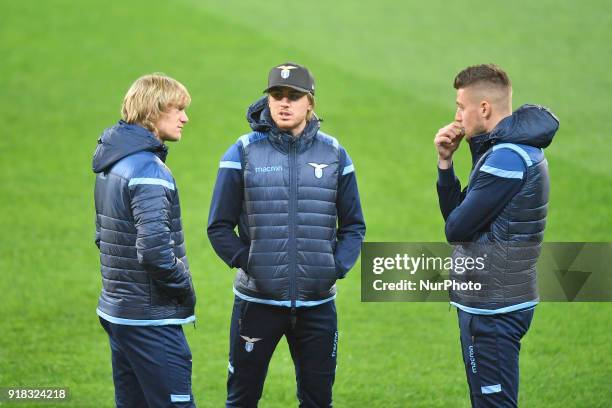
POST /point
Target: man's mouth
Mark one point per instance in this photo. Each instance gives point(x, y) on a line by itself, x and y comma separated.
point(284, 114)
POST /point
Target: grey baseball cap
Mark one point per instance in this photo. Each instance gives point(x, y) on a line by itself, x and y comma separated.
point(291, 75)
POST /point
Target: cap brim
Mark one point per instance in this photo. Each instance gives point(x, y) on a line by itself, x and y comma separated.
point(297, 88)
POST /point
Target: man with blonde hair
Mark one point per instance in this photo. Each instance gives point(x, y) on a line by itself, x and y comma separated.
point(147, 291)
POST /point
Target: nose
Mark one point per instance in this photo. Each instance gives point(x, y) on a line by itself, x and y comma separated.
point(457, 115)
point(184, 118)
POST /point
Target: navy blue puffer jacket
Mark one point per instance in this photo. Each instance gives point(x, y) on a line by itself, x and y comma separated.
point(145, 274)
point(296, 205)
point(512, 242)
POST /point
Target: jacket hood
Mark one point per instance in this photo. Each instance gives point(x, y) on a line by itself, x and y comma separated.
point(258, 115)
point(122, 140)
point(531, 125)
point(260, 120)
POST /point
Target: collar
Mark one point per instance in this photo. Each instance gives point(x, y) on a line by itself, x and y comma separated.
point(302, 141)
point(479, 144)
point(162, 152)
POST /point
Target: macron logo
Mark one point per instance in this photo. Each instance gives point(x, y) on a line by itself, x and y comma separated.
point(268, 169)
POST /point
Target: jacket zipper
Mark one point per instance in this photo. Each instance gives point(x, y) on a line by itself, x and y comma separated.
point(292, 223)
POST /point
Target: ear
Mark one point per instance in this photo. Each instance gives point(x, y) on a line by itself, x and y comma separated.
point(485, 110)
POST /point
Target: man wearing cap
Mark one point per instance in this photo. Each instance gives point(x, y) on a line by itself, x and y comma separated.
point(291, 191)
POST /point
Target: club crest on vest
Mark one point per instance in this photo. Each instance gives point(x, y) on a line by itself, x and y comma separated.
point(250, 343)
point(318, 168)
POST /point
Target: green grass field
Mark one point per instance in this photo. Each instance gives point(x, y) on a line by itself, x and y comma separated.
point(384, 73)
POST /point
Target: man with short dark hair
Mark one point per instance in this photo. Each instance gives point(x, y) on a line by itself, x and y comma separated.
point(292, 192)
point(500, 216)
point(147, 291)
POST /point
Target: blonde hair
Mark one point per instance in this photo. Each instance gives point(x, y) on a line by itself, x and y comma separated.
point(311, 99)
point(150, 96)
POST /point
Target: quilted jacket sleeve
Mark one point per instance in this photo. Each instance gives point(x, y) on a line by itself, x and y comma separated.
point(151, 207)
point(97, 237)
point(351, 224)
point(225, 210)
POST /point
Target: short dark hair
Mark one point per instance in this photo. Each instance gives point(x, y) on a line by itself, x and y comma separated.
point(483, 73)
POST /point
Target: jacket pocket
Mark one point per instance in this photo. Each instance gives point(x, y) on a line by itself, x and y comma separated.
point(189, 300)
point(159, 297)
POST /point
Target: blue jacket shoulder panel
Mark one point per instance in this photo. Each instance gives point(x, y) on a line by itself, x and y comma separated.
point(144, 167)
point(530, 155)
point(536, 154)
point(233, 153)
point(252, 137)
point(232, 159)
point(505, 163)
point(345, 160)
point(325, 138)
